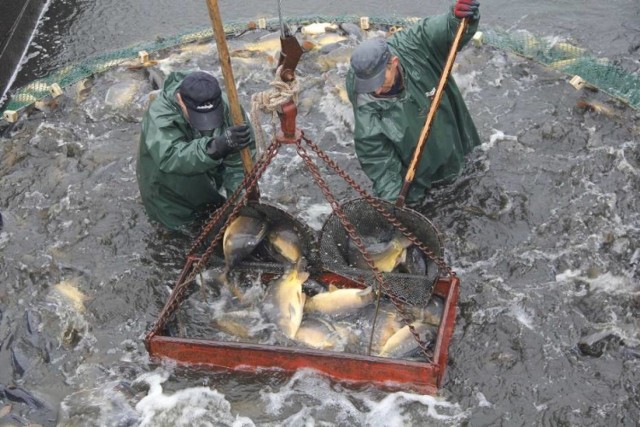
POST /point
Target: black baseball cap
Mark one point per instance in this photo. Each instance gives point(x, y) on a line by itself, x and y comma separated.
point(369, 62)
point(201, 94)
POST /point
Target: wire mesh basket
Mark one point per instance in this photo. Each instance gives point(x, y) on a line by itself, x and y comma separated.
point(261, 260)
point(412, 286)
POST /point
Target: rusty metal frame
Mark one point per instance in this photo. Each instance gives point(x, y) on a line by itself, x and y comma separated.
point(423, 377)
point(392, 374)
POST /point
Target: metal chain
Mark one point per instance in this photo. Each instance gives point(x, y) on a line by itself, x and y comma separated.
point(249, 182)
point(377, 205)
point(353, 234)
point(214, 218)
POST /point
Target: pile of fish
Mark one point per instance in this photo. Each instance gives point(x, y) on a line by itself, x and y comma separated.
point(293, 309)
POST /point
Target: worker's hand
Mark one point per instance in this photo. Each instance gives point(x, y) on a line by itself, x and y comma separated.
point(231, 141)
point(466, 9)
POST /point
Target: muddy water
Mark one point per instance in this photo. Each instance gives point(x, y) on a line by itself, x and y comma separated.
point(542, 229)
point(75, 29)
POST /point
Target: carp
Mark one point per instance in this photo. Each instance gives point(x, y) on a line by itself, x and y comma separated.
point(385, 256)
point(403, 343)
point(339, 302)
point(241, 237)
point(284, 300)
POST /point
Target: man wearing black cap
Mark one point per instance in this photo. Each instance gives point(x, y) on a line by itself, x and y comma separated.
point(390, 85)
point(189, 149)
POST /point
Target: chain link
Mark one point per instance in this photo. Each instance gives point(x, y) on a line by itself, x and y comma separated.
point(377, 205)
point(355, 237)
point(249, 182)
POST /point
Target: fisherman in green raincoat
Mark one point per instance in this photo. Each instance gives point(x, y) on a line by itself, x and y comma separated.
point(391, 84)
point(189, 150)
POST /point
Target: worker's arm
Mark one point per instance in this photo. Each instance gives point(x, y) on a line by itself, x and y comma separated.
point(234, 172)
point(378, 157)
point(434, 35)
point(172, 151)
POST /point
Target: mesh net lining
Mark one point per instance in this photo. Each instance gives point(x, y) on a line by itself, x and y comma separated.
point(412, 289)
point(273, 216)
point(562, 56)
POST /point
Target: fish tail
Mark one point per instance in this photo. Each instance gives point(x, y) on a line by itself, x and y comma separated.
point(223, 280)
point(404, 240)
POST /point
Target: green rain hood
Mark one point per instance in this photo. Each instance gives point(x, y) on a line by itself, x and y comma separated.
point(387, 129)
point(176, 176)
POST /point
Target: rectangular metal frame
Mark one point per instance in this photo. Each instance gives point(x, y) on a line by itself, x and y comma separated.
point(396, 374)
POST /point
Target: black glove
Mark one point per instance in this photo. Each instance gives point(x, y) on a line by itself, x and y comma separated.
point(231, 141)
point(466, 9)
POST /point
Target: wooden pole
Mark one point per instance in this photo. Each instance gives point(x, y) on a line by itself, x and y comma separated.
point(435, 103)
point(232, 92)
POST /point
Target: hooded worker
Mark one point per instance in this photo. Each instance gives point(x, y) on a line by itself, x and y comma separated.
point(391, 84)
point(188, 156)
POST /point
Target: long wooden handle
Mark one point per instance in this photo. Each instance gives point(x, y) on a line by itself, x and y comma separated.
point(435, 103)
point(227, 72)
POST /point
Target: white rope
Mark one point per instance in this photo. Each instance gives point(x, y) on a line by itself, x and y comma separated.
point(270, 101)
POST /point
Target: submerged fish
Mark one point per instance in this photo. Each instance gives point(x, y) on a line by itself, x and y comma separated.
point(415, 262)
point(340, 55)
point(318, 333)
point(269, 44)
point(284, 245)
point(388, 324)
point(352, 30)
point(122, 94)
point(68, 289)
point(432, 313)
point(326, 40)
point(284, 300)
point(385, 256)
point(337, 302)
point(319, 28)
point(596, 107)
point(241, 324)
point(403, 343)
point(241, 237)
point(156, 77)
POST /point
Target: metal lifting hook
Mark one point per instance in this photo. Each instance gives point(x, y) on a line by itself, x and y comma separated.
point(290, 51)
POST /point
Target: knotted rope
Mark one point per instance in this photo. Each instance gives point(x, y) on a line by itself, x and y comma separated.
point(270, 101)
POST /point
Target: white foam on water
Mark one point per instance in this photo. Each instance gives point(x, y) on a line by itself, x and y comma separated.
point(201, 406)
point(467, 83)
point(612, 284)
point(522, 316)
point(401, 408)
point(4, 239)
point(482, 400)
point(496, 136)
point(314, 214)
point(567, 275)
point(335, 405)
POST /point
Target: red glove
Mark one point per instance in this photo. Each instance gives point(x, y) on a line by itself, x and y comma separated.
point(466, 9)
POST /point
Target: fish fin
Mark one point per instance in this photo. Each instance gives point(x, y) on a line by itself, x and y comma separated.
point(223, 280)
point(402, 259)
point(303, 298)
point(365, 291)
point(402, 239)
point(405, 242)
point(292, 311)
point(303, 276)
point(332, 287)
point(301, 264)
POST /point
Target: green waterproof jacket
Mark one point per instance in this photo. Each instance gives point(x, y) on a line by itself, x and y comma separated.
point(176, 176)
point(387, 129)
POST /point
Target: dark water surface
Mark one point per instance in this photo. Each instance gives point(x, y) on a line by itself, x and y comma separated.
point(76, 29)
point(542, 228)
